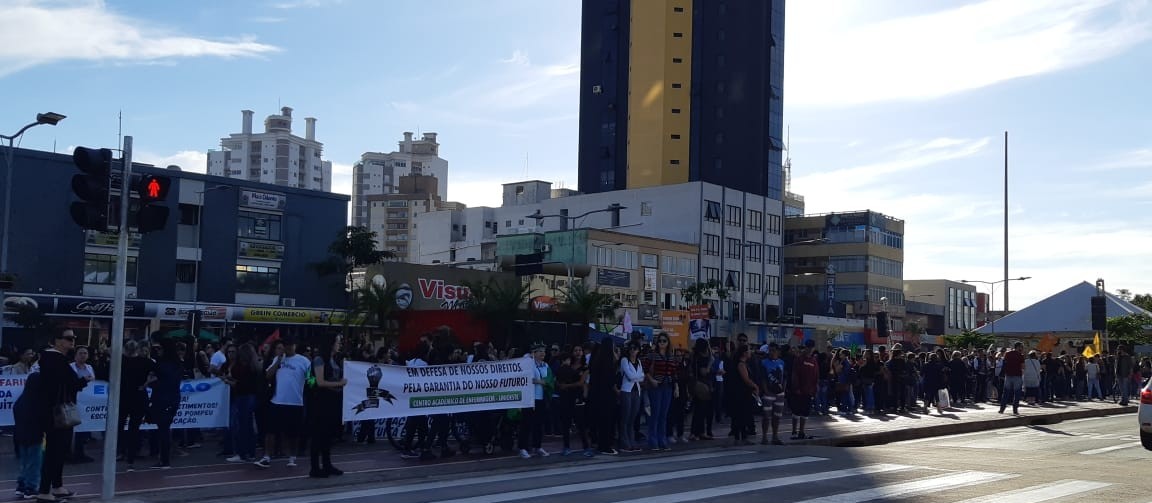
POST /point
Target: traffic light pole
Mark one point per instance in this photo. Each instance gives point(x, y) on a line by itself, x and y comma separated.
point(112, 420)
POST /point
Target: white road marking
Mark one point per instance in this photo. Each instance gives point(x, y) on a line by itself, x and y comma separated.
point(905, 489)
point(1103, 450)
point(1039, 493)
point(714, 492)
point(640, 479)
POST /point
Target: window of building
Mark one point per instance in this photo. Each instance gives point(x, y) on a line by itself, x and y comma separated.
point(670, 301)
point(773, 285)
point(258, 279)
point(712, 211)
point(732, 280)
point(521, 222)
point(676, 85)
point(677, 34)
point(734, 215)
point(624, 259)
point(251, 224)
point(734, 247)
point(687, 267)
point(648, 260)
point(677, 60)
point(668, 264)
point(755, 220)
point(185, 272)
point(752, 282)
point(677, 9)
point(755, 251)
point(189, 214)
point(507, 223)
point(675, 110)
point(773, 253)
point(711, 244)
point(101, 269)
point(675, 137)
point(711, 274)
point(773, 224)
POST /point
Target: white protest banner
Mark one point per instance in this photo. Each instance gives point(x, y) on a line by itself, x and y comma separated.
point(203, 404)
point(380, 391)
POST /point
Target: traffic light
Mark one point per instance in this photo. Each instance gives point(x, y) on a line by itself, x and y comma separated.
point(1099, 313)
point(92, 187)
point(882, 329)
point(194, 316)
point(152, 214)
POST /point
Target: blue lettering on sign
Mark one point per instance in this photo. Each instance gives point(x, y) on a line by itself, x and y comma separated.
point(190, 388)
point(100, 389)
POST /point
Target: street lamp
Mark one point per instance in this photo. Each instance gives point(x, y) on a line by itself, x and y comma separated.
point(51, 119)
point(538, 216)
point(992, 296)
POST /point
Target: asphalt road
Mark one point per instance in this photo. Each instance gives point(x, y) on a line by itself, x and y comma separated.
point(1070, 461)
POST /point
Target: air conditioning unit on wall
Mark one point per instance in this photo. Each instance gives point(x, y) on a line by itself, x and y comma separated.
point(288, 302)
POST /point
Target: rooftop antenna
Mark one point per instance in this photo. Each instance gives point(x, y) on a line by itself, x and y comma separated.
point(120, 129)
point(788, 161)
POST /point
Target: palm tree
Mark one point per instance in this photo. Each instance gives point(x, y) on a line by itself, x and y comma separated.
point(498, 303)
point(588, 305)
point(373, 304)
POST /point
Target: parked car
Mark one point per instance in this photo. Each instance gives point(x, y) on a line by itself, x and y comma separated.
point(1144, 415)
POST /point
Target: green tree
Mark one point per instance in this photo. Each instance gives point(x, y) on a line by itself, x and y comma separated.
point(498, 303)
point(373, 305)
point(1143, 300)
point(699, 293)
point(588, 305)
point(1130, 329)
point(353, 247)
point(969, 339)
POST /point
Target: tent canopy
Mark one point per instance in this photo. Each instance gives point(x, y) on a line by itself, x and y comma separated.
point(1067, 311)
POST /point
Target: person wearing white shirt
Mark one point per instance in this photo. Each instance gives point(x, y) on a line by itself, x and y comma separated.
point(287, 411)
point(218, 359)
point(632, 374)
point(84, 371)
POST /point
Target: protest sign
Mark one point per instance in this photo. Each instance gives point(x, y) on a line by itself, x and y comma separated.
point(382, 391)
point(203, 404)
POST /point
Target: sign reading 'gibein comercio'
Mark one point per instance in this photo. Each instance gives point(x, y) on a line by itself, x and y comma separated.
point(283, 315)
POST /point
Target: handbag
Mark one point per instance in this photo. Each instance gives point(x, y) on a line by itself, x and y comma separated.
point(66, 416)
point(701, 391)
point(943, 400)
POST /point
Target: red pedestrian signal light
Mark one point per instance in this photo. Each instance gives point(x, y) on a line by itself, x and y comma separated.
point(153, 188)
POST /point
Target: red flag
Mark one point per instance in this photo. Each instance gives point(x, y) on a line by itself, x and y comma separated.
point(272, 338)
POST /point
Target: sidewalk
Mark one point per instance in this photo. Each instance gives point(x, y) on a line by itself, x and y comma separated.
point(210, 476)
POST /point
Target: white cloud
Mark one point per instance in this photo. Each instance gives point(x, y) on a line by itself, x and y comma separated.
point(841, 186)
point(838, 61)
point(306, 4)
point(188, 160)
point(36, 33)
point(1138, 158)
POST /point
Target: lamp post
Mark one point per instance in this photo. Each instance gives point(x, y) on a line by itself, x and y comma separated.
point(51, 119)
point(538, 216)
point(992, 296)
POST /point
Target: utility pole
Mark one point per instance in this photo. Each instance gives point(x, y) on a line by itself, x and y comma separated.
point(112, 420)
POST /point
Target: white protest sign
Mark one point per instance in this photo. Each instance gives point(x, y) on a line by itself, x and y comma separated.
point(381, 391)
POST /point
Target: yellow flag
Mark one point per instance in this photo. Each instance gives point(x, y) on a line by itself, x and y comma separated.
point(1088, 352)
point(1096, 345)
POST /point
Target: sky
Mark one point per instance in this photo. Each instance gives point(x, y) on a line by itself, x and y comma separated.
point(898, 106)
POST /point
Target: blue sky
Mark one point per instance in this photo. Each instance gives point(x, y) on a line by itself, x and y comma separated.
point(894, 105)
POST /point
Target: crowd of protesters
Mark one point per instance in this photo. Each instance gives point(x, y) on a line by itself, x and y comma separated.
point(286, 395)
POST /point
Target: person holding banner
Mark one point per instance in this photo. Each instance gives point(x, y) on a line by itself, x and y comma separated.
point(326, 399)
point(532, 422)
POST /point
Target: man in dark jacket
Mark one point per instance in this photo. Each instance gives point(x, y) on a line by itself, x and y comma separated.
point(1124, 367)
point(59, 385)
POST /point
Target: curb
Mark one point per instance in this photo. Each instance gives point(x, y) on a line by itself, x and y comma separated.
point(886, 437)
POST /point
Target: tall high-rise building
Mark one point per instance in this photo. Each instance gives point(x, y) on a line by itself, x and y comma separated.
point(275, 156)
point(378, 173)
point(673, 91)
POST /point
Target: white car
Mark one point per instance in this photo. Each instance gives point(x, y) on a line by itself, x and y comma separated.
point(1145, 415)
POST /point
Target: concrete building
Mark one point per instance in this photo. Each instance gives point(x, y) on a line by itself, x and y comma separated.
point(456, 235)
point(737, 234)
point(378, 173)
point(244, 247)
point(275, 156)
point(844, 264)
point(645, 275)
point(676, 91)
point(392, 216)
point(957, 302)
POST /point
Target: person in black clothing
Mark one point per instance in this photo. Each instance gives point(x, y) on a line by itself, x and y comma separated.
point(133, 398)
point(603, 388)
point(325, 407)
point(58, 384)
point(165, 383)
point(570, 382)
point(28, 436)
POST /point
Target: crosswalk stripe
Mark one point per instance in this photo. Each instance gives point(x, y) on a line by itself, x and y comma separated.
point(716, 492)
point(904, 489)
point(1044, 492)
point(1102, 450)
point(487, 479)
point(627, 481)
